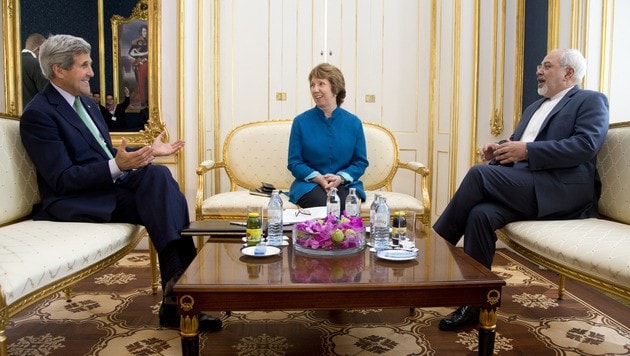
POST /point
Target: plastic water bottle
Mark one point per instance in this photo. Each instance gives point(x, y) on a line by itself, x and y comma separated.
point(373, 207)
point(274, 219)
point(333, 204)
point(380, 232)
point(353, 204)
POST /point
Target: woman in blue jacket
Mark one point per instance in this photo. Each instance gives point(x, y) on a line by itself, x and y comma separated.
point(327, 144)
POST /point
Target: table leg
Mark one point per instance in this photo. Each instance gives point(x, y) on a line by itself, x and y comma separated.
point(488, 322)
point(188, 326)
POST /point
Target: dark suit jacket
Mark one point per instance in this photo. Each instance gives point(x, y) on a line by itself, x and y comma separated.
point(33, 80)
point(72, 168)
point(563, 155)
point(120, 124)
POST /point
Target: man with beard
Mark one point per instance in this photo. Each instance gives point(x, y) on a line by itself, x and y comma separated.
point(546, 170)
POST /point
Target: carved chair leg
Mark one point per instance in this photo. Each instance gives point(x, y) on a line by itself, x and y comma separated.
point(3, 340)
point(561, 286)
point(155, 275)
point(68, 294)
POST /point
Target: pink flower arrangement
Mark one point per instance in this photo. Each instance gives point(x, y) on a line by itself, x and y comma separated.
point(330, 234)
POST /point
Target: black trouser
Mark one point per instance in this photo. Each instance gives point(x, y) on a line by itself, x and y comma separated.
point(151, 197)
point(317, 197)
point(488, 198)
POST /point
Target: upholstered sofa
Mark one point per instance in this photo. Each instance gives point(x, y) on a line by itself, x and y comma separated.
point(257, 152)
point(593, 251)
point(39, 258)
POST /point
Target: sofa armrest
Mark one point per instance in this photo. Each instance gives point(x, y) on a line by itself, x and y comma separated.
point(203, 168)
point(423, 171)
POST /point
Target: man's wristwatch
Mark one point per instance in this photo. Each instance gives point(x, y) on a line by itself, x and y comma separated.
point(343, 180)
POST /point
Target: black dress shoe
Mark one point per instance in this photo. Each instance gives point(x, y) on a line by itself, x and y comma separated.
point(169, 316)
point(460, 318)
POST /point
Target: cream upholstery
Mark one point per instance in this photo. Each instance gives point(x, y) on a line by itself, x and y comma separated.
point(596, 247)
point(37, 253)
point(257, 152)
point(18, 186)
point(614, 169)
point(594, 251)
point(38, 258)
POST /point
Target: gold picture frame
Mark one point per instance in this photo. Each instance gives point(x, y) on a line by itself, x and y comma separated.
point(129, 57)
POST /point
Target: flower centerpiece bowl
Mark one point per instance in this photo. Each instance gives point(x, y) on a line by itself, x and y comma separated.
point(329, 236)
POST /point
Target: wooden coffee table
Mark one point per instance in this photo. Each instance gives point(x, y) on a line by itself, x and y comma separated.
point(221, 278)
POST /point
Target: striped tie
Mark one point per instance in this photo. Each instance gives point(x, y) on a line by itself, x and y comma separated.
point(90, 125)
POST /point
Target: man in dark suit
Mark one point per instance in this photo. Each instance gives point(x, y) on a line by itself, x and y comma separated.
point(81, 177)
point(33, 81)
point(114, 114)
point(546, 170)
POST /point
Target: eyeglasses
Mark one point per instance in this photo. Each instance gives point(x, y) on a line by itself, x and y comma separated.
point(547, 66)
point(302, 211)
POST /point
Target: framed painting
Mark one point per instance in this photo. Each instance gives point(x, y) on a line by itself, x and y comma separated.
point(130, 42)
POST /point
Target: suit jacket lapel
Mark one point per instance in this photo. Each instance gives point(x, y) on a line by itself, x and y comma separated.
point(527, 116)
point(95, 113)
point(67, 113)
point(565, 99)
point(518, 133)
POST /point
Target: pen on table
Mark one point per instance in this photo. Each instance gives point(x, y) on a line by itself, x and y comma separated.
point(238, 223)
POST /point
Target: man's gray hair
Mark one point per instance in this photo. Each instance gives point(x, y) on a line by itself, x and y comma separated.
point(574, 59)
point(60, 50)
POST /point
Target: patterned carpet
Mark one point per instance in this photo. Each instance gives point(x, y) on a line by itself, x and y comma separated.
point(114, 313)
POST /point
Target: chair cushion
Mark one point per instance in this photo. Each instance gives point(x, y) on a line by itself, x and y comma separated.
point(229, 205)
point(594, 246)
point(395, 201)
point(35, 253)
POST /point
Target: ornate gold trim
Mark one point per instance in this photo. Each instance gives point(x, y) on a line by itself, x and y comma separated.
point(149, 10)
point(138, 13)
point(553, 24)
point(455, 97)
point(217, 74)
point(475, 84)
point(519, 63)
point(11, 44)
point(431, 132)
point(488, 319)
point(493, 297)
point(188, 324)
point(101, 49)
point(181, 94)
point(604, 45)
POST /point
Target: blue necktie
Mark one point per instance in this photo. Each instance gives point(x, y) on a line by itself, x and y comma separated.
point(90, 125)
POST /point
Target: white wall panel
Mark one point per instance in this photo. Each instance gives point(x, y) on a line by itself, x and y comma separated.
point(618, 70)
point(369, 64)
point(250, 61)
point(309, 30)
point(282, 63)
point(400, 66)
